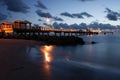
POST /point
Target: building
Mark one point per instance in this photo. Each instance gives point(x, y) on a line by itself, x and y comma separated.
point(21, 24)
point(8, 27)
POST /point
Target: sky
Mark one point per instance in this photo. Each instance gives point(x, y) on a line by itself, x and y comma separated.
point(70, 13)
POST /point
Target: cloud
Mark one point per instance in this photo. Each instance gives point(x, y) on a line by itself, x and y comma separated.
point(40, 5)
point(57, 19)
point(86, 14)
point(36, 25)
point(45, 24)
point(47, 15)
point(43, 14)
point(60, 25)
point(3, 17)
point(65, 26)
point(82, 15)
point(16, 5)
point(97, 25)
point(94, 25)
point(77, 15)
point(111, 15)
point(85, 0)
point(39, 19)
point(67, 14)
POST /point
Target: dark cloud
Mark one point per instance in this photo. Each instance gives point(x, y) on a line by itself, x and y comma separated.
point(82, 15)
point(94, 25)
point(61, 25)
point(57, 19)
point(67, 14)
point(85, 0)
point(39, 19)
point(64, 26)
point(47, 15)
point(45, 24)
point(56, 25)
point(86, 14)
point(40, 5)
point(112, 15)
point(97, 25)
point(78, 15)
point(3, 17)
point(15, 5)
point(43, 14)
point(74, 26)
point(36, 25)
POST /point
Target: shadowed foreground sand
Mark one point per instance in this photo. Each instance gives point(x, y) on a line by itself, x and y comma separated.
point(14, 61)
point(21, 60)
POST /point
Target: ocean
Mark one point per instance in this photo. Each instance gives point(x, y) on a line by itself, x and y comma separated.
point(100, 61)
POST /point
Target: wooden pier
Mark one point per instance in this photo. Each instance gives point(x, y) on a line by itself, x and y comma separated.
point(23, 30)
point(54, 32)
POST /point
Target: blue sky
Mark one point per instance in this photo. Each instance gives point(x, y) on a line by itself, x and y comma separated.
point(81, 11)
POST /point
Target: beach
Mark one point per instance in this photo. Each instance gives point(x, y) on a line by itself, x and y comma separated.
point(31, 60)
point(14, 61)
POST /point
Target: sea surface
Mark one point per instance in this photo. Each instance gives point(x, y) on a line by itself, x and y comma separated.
point(100, 61)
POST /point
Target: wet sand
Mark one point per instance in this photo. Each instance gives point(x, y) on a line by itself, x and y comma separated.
point(14, 61)
point(21, 60)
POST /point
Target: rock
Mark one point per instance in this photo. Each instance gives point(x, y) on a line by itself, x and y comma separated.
point(93, 42)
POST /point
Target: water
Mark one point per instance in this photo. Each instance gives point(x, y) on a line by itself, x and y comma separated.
point(99, 61)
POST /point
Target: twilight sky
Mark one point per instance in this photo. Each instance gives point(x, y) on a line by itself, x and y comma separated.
point(67, 12)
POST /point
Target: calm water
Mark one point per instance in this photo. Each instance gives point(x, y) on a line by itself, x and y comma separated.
point(99, 61)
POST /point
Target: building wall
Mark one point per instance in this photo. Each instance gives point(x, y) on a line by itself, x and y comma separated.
point(7, 27)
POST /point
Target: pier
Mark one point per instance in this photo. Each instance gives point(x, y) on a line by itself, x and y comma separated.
point(55, 32)
point(23, 30)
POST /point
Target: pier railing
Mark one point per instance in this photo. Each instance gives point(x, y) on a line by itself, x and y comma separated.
point(58, 31)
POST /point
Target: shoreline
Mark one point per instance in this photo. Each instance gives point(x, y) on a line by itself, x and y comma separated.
point(51, 40)
point(16, 64)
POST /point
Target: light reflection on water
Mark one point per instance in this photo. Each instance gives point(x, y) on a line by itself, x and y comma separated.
point(47, 52)
point(67, 60)
point(42, 57)
point(101, 53)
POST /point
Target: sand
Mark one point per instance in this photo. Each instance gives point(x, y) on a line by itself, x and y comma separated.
point(16, 64)
point(14, 61)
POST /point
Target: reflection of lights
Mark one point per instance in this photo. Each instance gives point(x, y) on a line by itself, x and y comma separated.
point(47, 57)
point(90, 48)
point(47, 50)
point(90, 36)
point(67, 58)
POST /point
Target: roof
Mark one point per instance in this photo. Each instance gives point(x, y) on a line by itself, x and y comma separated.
point(9, 23)
point(25, 21)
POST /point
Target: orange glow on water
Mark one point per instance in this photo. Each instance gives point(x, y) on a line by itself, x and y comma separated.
point(47, 51)
point(47, 58)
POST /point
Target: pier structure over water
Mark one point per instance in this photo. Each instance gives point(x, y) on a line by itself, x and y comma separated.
point(23, 30)
point(55, 32)
point(19, 27)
